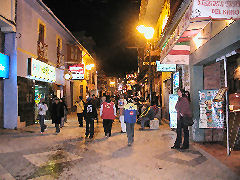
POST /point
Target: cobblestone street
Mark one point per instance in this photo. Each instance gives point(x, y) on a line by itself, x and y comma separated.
point(27, 154)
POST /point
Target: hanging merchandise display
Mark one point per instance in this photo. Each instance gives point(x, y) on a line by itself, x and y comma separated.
point(173, 98)
point(176, 81)
point(211, 113)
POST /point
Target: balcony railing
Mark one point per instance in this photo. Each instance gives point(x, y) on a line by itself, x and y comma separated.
point(60, 58)
point(42, 51)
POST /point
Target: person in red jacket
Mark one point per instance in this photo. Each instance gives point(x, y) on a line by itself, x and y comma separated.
point(108, 114)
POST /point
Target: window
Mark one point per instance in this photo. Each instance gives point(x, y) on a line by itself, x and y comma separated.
point(41, 31)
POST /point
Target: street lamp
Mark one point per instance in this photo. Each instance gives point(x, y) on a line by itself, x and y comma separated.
point(148, 33)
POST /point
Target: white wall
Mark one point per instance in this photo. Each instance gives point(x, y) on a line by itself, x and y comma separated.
point(27, 33)
point(7, 9)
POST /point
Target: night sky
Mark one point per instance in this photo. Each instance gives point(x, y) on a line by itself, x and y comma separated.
point(110, 23)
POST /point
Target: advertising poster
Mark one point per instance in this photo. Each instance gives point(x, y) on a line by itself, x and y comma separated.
point(211, 113)
point(173, 98)
point(175, 82)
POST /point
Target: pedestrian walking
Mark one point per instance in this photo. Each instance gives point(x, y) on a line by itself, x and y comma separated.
point(80, 108)
point(90, 112)
point(121, 103)
point(56, 114)
point(103, 99)
point(183, 110)
point(95, 103)
point(108, 114)
point(130, 117)
point(63, 111)
point(42, 109)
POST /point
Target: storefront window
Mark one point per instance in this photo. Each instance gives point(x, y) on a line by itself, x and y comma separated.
point(233, 70)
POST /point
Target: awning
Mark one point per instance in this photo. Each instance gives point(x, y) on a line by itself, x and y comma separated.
point(196, 17)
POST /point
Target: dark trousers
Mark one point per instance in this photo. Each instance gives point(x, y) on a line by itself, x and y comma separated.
point(130, 132)
point(57, 128)
point(89, 126)
point(107, 125)
point(143, 121)
point(41, 122)
point(178, 141)
point(80, 119)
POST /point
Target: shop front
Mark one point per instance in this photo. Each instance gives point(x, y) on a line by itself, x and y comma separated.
point(41, 82)
point(214, 66)
point(4, 73)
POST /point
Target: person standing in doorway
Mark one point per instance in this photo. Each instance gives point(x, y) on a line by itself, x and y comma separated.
point(42, 109)
point(80, 108)
point(183, 110)
point(90, 112)
point(130, 117)
point(121, 103)
point(56, 114)
point(108, 114)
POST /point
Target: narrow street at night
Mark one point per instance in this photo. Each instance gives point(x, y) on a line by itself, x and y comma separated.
point(27, 154)
point(120, 89)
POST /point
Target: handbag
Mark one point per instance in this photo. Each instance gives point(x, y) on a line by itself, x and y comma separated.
point(187, 121)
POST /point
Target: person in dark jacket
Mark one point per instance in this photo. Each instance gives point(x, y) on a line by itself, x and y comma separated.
point(146, 116)
point(95, 103)
point(63, 111)
point(90, 112)
point(56, 114)
point(183, 109)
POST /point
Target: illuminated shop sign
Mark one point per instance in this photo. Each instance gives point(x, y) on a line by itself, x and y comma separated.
point(41, 71)
point(224, 9)
point(4, 66)
point(77, 71)
point(166, 67)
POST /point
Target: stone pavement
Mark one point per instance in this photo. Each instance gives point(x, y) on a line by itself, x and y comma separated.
point(27, 154)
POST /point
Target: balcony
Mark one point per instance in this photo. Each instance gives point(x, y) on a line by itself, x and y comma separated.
point(42, 50)
point(60, 58)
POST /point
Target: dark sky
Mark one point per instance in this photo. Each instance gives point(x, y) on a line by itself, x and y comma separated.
point(112, 25)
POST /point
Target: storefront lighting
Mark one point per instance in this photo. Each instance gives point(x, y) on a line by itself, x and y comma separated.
point(112, 83)
point(67, 76)
point(90, 66)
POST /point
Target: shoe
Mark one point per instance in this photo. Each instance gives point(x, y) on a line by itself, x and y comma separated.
point(86, 136)
point(90, 137)
point(175, 147)
point(129, 144)
point(141, 129)
point(184, 147)
point(41, 132)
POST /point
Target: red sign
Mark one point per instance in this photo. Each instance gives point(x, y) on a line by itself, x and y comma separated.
point(77, 71)
point(78, 68)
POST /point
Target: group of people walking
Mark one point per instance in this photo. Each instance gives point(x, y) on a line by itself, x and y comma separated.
point(58, 110)
point(128, 113)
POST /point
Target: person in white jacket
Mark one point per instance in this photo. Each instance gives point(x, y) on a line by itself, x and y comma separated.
point(42, 109)
point(121, 103)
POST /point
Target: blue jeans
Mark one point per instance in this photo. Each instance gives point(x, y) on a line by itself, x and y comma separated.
point(41, 122)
